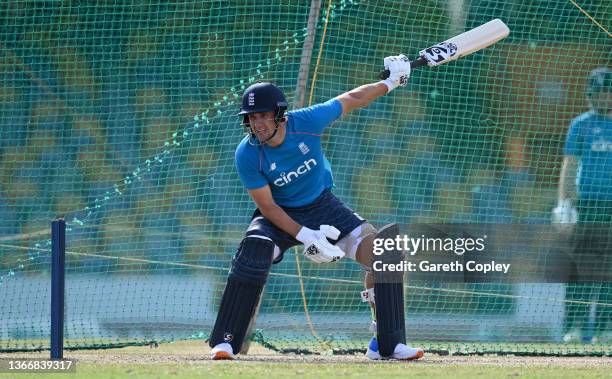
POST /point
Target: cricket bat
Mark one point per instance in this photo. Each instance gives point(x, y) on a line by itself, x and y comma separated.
point(459, 46)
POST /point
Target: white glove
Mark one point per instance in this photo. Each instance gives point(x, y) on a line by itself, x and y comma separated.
point(399, 71)
point(316, 246)
point(564, 216)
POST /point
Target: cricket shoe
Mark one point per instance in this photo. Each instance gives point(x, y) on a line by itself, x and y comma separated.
point(222, 351)
point(401, 352)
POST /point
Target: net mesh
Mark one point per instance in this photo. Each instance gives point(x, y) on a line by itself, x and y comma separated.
point(120, 117)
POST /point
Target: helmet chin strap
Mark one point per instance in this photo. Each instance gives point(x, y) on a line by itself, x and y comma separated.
point(253, 137)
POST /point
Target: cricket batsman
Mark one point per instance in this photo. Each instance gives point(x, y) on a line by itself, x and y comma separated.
point(585, 211)
point(281, 165)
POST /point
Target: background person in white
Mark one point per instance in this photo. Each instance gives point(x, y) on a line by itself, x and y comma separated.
point(281, 164)
point(585, 212)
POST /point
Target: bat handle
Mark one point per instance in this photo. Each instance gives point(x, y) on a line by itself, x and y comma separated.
point(420, 61)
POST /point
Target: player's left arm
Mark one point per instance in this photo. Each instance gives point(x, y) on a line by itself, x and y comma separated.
point(362, 96)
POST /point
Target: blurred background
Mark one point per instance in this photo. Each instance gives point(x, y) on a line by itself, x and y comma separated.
point(120, 117)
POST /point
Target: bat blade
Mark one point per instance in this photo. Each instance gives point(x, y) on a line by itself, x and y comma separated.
point(476, 39)
point(460, 46)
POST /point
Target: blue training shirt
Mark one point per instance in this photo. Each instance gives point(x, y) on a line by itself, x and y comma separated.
point(590, 140)
point(296, 170)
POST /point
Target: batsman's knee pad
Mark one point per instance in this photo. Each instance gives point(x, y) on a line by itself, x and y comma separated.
point(253, 260)
point(389, 295)
point(247, 277)
point(351, 242)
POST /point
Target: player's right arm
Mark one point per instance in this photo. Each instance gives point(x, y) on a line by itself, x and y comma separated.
point(272, 211)
point(316, 246)
point(258, 187)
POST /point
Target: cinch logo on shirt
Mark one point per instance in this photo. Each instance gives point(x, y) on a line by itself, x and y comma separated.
point(301, 170)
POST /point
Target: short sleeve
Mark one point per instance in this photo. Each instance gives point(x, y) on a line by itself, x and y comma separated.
point(574, 140)
point(316, 118)
point(247, 165)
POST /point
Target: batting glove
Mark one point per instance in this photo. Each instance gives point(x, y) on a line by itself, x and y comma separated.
point(316, 246)
point(399, 71)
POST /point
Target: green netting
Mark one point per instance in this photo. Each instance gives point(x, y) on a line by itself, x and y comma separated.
point(120, 116)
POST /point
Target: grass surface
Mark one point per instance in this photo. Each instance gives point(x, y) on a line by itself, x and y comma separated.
point(189, 359)
point(323, 370)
